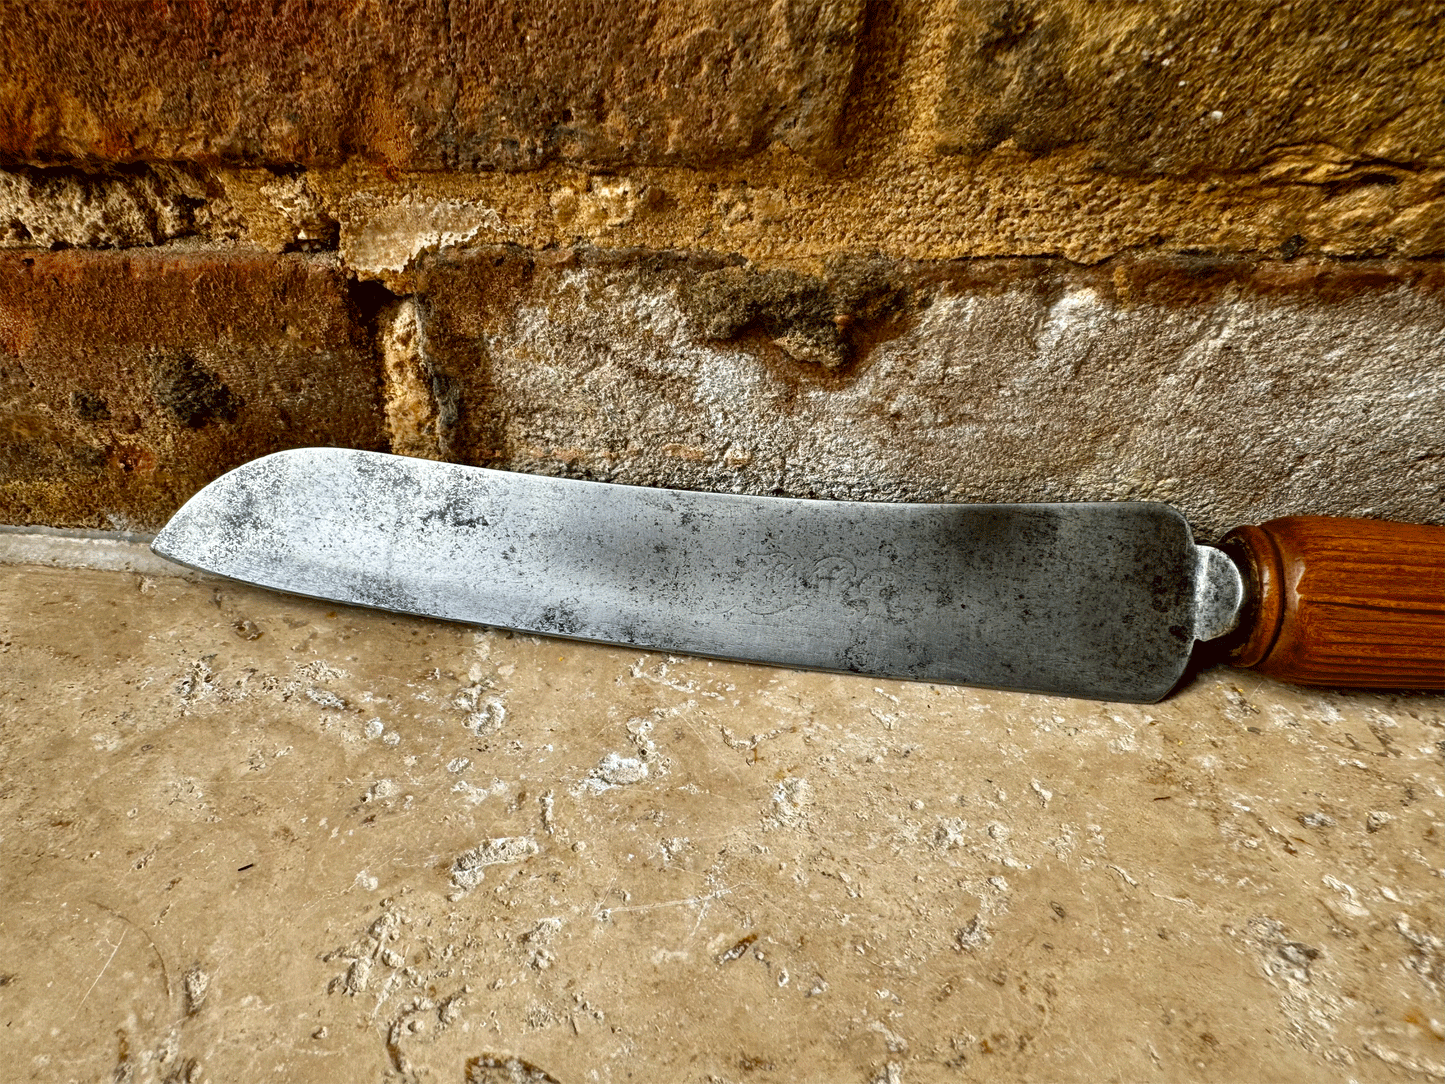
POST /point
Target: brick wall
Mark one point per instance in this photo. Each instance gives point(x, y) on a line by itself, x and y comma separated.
point(969, 250)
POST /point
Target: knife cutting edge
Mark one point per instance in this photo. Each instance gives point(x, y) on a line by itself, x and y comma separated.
point(1099, 600)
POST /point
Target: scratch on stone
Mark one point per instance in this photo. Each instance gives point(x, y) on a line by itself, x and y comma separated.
point(605, 912)
point(119, 941)
point(160, 957)
point(1173, 899)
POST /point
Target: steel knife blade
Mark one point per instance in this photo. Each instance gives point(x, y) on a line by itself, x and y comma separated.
point(1102, 600)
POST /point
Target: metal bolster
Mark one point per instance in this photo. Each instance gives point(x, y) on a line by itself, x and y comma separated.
point(1218, 593)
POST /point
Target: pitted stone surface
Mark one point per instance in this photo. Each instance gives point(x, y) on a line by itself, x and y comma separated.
point(127, 382)
point(1185, 85)
point(250, 836)
point(789, 132)
point(1236, 392)
point(112, 208)
point(424, 84)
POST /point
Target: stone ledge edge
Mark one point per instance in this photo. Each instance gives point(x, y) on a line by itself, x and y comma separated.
point(101, 551)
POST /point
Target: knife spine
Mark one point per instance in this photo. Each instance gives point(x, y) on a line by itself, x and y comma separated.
point(1343, 602)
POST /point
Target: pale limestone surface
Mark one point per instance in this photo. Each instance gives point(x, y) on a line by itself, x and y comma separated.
point(251, 837)
point(1256, 394)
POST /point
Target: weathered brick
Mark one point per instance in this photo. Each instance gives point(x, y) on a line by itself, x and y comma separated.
point(423, 84)
point(128, 381)
point(1176, 86)
point(1237, 391)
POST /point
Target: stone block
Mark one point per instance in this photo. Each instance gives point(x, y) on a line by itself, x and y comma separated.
point(128, 381)
point(423, 84)
point(1236, 391)
point(1178, 86)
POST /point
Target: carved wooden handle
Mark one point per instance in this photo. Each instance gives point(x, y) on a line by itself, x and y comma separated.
point(1349, 602)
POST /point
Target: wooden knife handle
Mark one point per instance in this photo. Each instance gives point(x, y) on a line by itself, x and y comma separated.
point(1347, 602)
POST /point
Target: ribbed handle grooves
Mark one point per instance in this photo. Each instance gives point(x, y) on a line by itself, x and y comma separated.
point(1347, 602)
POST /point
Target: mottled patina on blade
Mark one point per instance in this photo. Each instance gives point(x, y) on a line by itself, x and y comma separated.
point(1092, 600)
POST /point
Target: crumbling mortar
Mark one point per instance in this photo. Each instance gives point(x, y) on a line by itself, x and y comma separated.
point(1339, 204)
